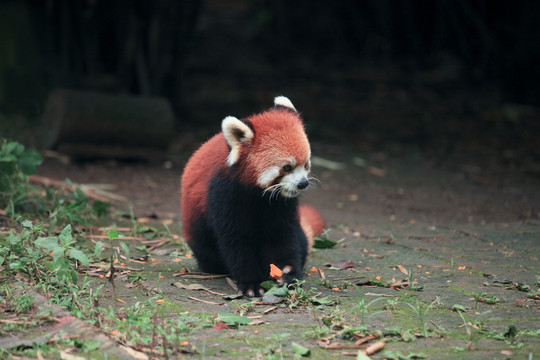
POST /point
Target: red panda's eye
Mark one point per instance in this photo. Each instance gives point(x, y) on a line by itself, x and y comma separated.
point(287, 168)
point(306, 166)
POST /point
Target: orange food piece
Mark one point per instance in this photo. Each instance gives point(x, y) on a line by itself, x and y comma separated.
point(314, 269)
point(378, 278)
point(159, 301)
point(335, 289)
point(275, 272)
point(184, 343)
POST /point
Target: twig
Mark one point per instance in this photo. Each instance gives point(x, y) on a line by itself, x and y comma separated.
point(117, 238)
point(155, 246)
point(204, 301)
point(197, 276)
point(366, 339)
point(121, 229)
point(338, 346)
point(269, 310)
point(18, 322)
point(374, 294)
point(89, 190)
point(321, 273)
point(231, 283)
point(348, 278)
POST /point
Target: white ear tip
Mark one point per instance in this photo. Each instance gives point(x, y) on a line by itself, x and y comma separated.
point(228, 120)
point(283, 101)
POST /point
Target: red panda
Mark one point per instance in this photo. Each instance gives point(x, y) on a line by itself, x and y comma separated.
point(239, 201)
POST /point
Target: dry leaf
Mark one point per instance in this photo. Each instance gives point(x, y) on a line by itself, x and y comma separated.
point(275, 272)
point(402, 269)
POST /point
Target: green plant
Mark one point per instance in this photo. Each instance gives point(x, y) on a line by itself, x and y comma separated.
point(49, 262)
point(362, 306)
point(66, 205)
point(16, 163)
point(421, 313)
point(145, 325)
point(412, 285)
point(296, 295)
point(24, 303)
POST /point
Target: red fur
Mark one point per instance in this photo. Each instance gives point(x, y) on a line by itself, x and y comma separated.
point(311, 221)
point(199, 170)
point(278, 134)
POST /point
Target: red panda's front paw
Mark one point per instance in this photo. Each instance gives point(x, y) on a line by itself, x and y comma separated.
point(288, 275)
point(250, 290)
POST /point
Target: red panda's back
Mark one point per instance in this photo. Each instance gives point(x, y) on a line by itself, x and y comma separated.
point(199, 170)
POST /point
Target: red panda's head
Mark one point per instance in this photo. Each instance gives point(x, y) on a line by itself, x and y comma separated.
point(270, 150)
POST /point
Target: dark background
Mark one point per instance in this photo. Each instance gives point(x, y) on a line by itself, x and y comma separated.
point(447, 77)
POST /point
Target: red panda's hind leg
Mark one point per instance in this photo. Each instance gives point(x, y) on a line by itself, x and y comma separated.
point(204, 247)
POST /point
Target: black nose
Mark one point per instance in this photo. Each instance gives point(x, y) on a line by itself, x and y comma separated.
point(303, 184)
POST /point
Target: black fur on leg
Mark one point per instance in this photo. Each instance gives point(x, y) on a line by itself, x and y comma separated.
point(246, 231)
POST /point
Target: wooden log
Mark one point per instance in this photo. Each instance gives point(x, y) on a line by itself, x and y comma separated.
point(107, 125)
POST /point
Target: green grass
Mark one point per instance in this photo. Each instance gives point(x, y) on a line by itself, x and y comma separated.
point(45, 249)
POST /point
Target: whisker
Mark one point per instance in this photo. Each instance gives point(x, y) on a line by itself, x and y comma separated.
point(314, 182)
point(270, 188)
point(274, 190)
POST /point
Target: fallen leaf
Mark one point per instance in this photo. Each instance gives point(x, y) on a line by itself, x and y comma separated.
point(272, 299)
point(233, 320)
point(300, 350)
point(376, 171)
point(323, 243)
point(402, 269)
point(343, 264)
point(233, 296)
point(221, 326)
point(275, 272)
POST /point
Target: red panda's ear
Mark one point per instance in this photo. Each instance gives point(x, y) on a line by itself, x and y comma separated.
point(285, 102)
point(236, 132)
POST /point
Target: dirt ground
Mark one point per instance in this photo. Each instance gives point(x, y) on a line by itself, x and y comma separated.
point(463, 228)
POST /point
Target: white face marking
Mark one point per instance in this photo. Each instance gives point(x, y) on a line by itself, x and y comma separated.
point(268, 176)
point(290, 181)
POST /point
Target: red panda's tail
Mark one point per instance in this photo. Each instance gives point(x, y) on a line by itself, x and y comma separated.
point(311, 222)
